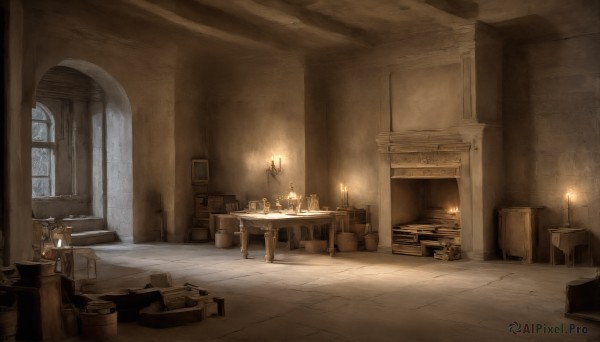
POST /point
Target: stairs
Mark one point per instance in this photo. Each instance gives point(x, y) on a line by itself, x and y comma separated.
point(89, 230)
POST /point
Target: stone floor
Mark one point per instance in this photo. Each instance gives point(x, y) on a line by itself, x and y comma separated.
point(359, 296)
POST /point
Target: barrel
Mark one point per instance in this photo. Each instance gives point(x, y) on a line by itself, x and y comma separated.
point(315, 246)
point(371, 242)
point(98, 326)
point(223, 239)
point(347, 242)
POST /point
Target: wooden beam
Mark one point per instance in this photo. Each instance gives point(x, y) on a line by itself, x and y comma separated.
point(314, 23)
point(198, 27)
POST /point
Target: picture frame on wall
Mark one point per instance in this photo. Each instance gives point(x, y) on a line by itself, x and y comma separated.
point(200, 171)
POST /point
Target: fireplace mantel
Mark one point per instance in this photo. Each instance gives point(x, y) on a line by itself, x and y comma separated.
point(423, 154)
point(465, 153)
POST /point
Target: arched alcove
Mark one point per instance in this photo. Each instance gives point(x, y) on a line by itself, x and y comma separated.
point(117, 197)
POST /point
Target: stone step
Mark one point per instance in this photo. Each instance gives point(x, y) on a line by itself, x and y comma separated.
point(84, 224)
point(93, 237)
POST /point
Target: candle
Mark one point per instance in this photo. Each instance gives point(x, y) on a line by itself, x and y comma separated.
point(346, 195)
point(569, 209)
point(280, 162)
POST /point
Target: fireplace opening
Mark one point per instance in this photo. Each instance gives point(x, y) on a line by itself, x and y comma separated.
point(426, 217)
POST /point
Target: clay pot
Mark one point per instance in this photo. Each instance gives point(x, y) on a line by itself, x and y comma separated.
point(371, 242)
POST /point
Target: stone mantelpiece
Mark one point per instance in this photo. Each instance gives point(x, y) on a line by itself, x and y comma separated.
point(425, 154)
point(458, 153)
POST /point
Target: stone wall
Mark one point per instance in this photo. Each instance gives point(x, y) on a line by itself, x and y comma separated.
point(256, 111)
point(552, 135)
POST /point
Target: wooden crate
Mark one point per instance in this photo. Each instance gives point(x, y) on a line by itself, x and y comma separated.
point(408, 249)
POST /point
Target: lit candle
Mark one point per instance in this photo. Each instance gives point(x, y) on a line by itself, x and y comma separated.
point(345, 198)
point(569, 208)
point(280, 161)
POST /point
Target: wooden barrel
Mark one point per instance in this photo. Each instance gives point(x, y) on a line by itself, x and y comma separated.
point(347, 242)
point(223, 239)
point(371, 242)
point(98, 326)
point(8, 325)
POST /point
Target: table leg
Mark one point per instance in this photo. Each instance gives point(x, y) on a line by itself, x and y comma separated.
point(551, 251)
point(289, 232)
point(269, 241)
point(275, 237)
point(244, 240)
point(332, 229)
point(297, 235)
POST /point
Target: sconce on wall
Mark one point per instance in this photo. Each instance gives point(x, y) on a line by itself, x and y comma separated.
point(273, 170)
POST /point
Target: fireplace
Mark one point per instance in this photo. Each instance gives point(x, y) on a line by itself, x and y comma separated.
point(425, 215)
point(453, 175)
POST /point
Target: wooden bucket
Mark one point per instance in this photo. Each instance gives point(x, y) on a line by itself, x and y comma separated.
point(347, 242)
point(223, 239)
point(315, 246)
point(8, 325)
point(98, 326)
point(371, 242)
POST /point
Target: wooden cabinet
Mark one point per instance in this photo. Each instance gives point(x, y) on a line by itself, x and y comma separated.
point(204, 206)
point(518, 232)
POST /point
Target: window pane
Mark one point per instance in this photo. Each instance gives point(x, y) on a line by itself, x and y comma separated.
point(40, 187)
point(39, 131)
point(38, 114)
point(40, 161)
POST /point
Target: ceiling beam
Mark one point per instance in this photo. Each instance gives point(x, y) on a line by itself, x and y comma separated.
point(198, 27)
point(442, 10)
point(296, 17)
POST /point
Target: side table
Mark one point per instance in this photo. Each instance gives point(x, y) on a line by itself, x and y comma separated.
point(566, 239)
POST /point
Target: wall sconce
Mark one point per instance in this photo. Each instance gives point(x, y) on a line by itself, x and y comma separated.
point(273, 170)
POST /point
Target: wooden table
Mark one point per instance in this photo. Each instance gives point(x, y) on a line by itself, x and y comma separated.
point(566, 239)
point(272, 222)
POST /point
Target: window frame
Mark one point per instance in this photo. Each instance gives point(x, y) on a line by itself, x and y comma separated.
point(49, 144)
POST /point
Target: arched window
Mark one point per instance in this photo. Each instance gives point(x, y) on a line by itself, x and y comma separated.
point(42, 152)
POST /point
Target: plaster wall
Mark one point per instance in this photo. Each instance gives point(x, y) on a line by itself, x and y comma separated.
point(141, 80)
point(552, 135)
point(17, 223)
point(400, 87)
point(430, 83)
point(256, 111)
point(195, 77)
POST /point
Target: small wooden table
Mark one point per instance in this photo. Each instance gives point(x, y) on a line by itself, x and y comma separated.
point(566, 239)
point(271, 223)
